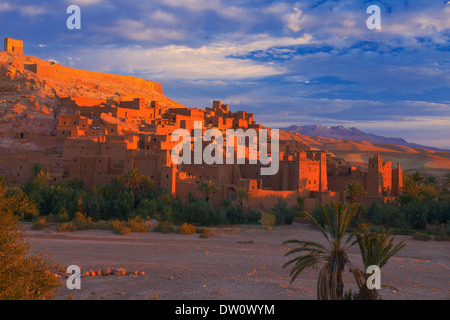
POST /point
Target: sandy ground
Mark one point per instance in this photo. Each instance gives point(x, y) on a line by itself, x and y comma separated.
point(239, 263)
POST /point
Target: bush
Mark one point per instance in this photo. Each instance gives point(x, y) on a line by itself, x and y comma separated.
point(268, 221)
point(25, 207)
point(137, 225)
point(62, 215)
point(387, 214)
point(164, 227)
point(202, 230)
point(40, 224)
point(253, 214)
point(22, 276)
point(421, 236)
point(282, 213)
point(120, 227)
point(441, 233)
point(187, 229)
point(234, 214)
point(81, 222)
point(204, 235)
point(438, 212)
point(66, 226)
point(416, 214)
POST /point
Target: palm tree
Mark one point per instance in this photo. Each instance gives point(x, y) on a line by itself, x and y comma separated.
point(136, 181)
point(336, 219)
point(225, 203)
point(376, 249)
point(191, 198)
point(446, 182)
point(354, 190)
point(132, 179)
point(2, 181)
point(207, 186)
point(430, 181)
point(300, 201)
point(241, 194)
point(417, 177)
point(412, 189)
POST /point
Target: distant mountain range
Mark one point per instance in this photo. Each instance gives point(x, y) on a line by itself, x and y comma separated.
point(341, 133)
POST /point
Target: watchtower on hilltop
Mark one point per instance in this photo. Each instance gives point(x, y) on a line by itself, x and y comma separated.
point(13, 45)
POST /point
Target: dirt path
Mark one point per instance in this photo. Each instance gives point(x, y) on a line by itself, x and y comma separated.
point(234, 263)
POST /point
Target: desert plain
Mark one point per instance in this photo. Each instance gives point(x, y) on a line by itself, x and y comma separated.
point(234, 263)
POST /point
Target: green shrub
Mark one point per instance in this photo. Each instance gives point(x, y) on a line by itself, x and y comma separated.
point(416, 214)
point(421, 236)
point(253, 214)
point(387, 214)
point(234, 214)
point(282, 213)
point(441, 233)
point(62, 215)
point(164, 227)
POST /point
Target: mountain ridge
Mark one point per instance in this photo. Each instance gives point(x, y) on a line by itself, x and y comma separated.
point(353, 133)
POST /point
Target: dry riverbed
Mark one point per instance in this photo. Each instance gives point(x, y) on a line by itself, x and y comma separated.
point(241, 262)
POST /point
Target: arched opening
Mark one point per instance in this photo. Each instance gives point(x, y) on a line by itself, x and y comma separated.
point(231, 194)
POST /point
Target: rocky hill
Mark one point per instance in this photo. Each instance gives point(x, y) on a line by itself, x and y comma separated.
point(31, 88)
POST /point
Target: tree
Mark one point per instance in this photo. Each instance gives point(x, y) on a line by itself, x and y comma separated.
point(282, 212)
point(207, 186)
point(300, 201)
point(376, 249)
point(412, 189)
point(354, 190)
point(137, 182)
point(336, 219)
point(191, 198)
point(417, 177)
point(22, 276)
point(242, 193)
point(446, 182)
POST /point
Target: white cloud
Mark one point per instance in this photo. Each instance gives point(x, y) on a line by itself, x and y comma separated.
point(210, 61)
point(140, 31)
point(163, 16)
point(32, 11)
point(5, 6)
point(194, 5)
point(84, 3)
point(294, 20)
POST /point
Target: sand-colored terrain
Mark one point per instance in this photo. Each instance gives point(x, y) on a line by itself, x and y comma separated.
point(242, 263)
point(427, 161)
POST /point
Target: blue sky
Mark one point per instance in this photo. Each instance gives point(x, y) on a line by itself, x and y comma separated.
point(289, 62)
